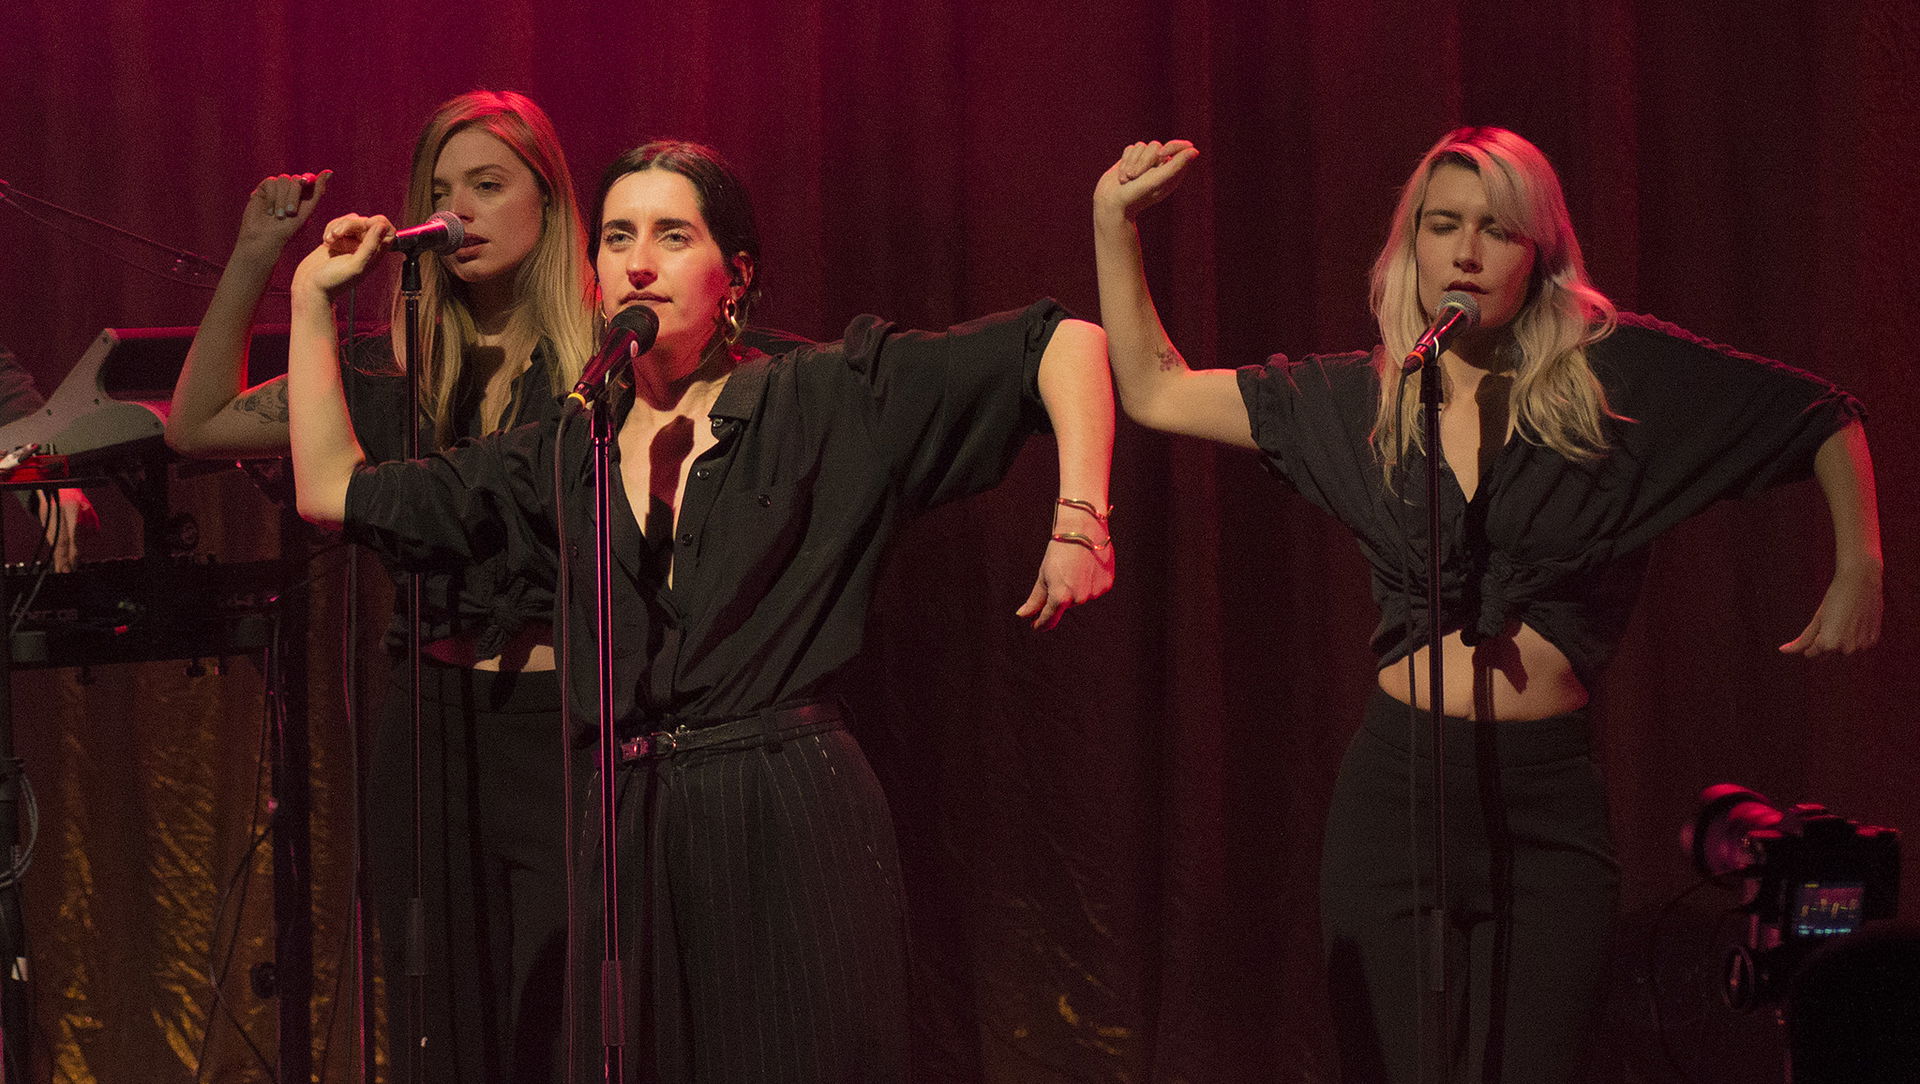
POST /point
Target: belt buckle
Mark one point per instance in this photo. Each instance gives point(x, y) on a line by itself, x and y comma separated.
point(642, 746)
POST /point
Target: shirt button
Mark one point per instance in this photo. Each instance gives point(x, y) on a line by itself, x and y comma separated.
point(686, 539)
point(703, 472)
point(766, 501)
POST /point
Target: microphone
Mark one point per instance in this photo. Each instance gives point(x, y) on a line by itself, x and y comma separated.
point(443, 233)
point(1459, 313)
point(632, 334)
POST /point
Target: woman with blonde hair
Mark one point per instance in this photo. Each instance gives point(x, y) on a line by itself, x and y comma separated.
point(1571, 437)
point(508, 324)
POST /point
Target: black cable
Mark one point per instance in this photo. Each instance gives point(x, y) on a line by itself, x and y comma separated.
point(1654, 993)
point(41, 563)
point(188, 269)
point(344, 955)
point(1407, 575)
point(24, 860)
point(351, 936)
point(563, 641)
point(238, 883)
point(20, 860)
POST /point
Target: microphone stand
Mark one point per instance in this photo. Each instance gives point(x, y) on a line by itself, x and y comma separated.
point(1438, 995)
point(612, 995)
point(416, 935)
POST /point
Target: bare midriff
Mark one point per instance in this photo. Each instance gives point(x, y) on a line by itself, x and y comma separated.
point(1513, 677)
point(531, 650)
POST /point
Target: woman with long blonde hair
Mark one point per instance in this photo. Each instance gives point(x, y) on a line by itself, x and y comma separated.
point(508, 325)
point(1571, 437)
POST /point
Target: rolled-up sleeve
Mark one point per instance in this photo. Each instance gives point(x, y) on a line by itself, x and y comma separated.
point(1705, 422)
point(485, 498)
point(948, 412)
point(1311, 420)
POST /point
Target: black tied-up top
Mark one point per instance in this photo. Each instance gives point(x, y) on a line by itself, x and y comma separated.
point(1556, 544)
point(482, 598)
point(821, 454)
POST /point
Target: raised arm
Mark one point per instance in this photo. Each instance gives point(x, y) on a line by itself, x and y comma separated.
point(1848, 619)
point(1156, 387)
point(1078, 566)
point(325, 450)
point(214, 414)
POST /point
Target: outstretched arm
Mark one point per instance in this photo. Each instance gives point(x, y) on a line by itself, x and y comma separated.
point(1156, 387)
point(1078, 566)
point(325, 450)
point(214, 414)
point(1848, 619)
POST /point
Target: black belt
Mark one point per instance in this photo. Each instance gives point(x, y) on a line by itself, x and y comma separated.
point(769, 727)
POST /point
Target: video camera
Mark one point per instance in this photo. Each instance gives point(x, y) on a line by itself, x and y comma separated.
point(1808, 874)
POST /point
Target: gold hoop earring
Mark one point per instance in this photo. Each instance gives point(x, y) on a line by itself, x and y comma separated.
point(731, 325)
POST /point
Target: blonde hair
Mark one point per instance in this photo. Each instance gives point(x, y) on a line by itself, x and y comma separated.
point(553, 288)
point(1556, 400)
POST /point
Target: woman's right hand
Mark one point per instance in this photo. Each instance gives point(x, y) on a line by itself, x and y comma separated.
point(277, 208)
point(347, 247)
point(1145, 174)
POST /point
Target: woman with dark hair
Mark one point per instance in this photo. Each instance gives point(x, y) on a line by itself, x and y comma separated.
point(755, 497)
point(1572, 437)
point(508, 322)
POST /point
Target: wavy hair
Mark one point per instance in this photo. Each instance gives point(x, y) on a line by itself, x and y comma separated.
point(553, 288)
point(1556, 400)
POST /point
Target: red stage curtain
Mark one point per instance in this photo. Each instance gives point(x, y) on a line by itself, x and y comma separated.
point(1112, 831)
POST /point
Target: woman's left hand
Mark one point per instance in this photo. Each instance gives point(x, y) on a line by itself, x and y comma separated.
point(1848, 619)
point(1070, 574)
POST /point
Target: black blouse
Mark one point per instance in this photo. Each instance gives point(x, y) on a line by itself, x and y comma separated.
point(478, 598)
point(822, 453)
point(1557, 544)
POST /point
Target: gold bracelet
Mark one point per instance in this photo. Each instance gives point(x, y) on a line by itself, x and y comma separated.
point(1089, 508)
point(1079, 539)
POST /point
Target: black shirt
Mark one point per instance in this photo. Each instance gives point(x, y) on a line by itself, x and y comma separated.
point(822, 453)
point(1559, 545)
point(478, 598)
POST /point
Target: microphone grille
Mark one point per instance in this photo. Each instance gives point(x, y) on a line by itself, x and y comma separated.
point(638, 319)
point(1466, 303)
point(456, 230)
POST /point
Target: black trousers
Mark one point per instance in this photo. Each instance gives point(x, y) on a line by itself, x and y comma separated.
point(761, 914)
point(1532, 887)
point(493, 888)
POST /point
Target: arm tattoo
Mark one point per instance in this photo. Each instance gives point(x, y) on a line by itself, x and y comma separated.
point(1170, 358)
point(269, 402)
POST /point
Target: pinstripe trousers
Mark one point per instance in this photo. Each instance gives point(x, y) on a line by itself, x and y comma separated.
point(762, 918)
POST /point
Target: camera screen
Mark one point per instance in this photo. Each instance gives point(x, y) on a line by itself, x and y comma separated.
point(1822, 909)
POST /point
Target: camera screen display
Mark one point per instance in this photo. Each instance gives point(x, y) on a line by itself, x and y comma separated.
point(1826, 909)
